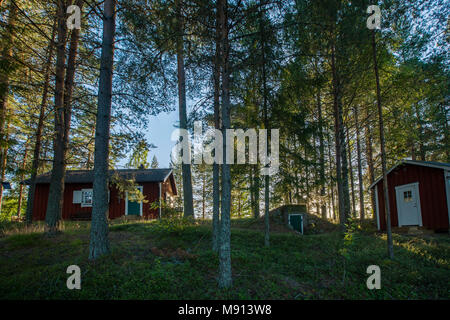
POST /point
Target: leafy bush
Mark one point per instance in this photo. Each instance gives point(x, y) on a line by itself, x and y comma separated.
point(9, 208)
point(174, 224)
point(350, 237)
point(167, 211)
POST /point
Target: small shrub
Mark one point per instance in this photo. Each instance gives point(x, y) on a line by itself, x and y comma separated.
point(174, 225)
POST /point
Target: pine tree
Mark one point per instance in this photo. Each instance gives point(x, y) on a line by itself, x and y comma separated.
point(155, 163)
point(99, 243)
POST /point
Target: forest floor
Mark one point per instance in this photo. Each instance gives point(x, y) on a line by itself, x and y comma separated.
point(174, 260)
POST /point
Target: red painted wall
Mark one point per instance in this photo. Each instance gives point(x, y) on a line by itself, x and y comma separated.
point(116, 203)
point(433, 200)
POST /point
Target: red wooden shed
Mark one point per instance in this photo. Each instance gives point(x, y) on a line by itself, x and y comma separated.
point(155, 185)
point(419, 195)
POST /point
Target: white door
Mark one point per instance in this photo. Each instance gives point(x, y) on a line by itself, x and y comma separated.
point(408, 205)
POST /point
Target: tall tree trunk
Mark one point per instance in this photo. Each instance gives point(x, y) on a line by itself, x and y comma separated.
point(186, 167)
point(225, 276)
point(54, 207)
point(345, 169)
point(446, 133)
point(266, 126)
point(99, 243)
point(266, 212)
point(422, 151)
point(323, 208)
point(216, 168)
point(332, 200)
point(383, 152)
point(333, 183)
point(69, 83)
point(251, 189)
point(413, 149)
point(256, 191)
point(342, 179)
point(360, 173)
point(306, 165)
point(370, 162)
point(352, 182)
point(7, 66)
point(24, 164)
point(37, 146)
point(4, 158)
point(216, 208)
point(203, 195)
point(239, 205)
point(89, 157)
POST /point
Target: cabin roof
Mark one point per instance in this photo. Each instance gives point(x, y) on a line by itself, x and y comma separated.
point(430, 164)
point(87, 176)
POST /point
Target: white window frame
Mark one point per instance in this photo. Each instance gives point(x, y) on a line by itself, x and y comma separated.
point(84, 204)
point(141, 188)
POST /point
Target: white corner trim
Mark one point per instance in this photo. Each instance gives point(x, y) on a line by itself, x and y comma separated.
point(418, 206)
point(167, 176)
point(447, 192)
point(159, 213)
point(377, 206)
point(141, 188)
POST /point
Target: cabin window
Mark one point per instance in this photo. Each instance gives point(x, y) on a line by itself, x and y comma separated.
point(407, 196)
point(86, 197)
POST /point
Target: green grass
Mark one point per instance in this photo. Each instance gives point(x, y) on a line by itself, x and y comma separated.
point(167, 260)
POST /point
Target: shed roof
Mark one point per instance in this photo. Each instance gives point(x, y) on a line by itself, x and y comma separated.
point(87, 176)
point(430, 164)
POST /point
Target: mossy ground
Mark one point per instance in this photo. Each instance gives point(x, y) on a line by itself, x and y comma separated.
point(173, 260)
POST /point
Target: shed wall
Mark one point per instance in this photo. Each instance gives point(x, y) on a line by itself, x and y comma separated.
point(433, 200)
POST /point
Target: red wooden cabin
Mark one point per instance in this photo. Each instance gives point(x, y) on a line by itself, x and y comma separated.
point(155, 184)
point(419, 195)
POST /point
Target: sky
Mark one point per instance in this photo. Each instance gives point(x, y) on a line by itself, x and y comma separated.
point(160, 128)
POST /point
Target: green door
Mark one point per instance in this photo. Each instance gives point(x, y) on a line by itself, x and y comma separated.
point(296, 222)
point(134, 208)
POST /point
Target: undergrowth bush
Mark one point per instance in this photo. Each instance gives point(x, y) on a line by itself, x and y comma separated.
point(174, 224)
